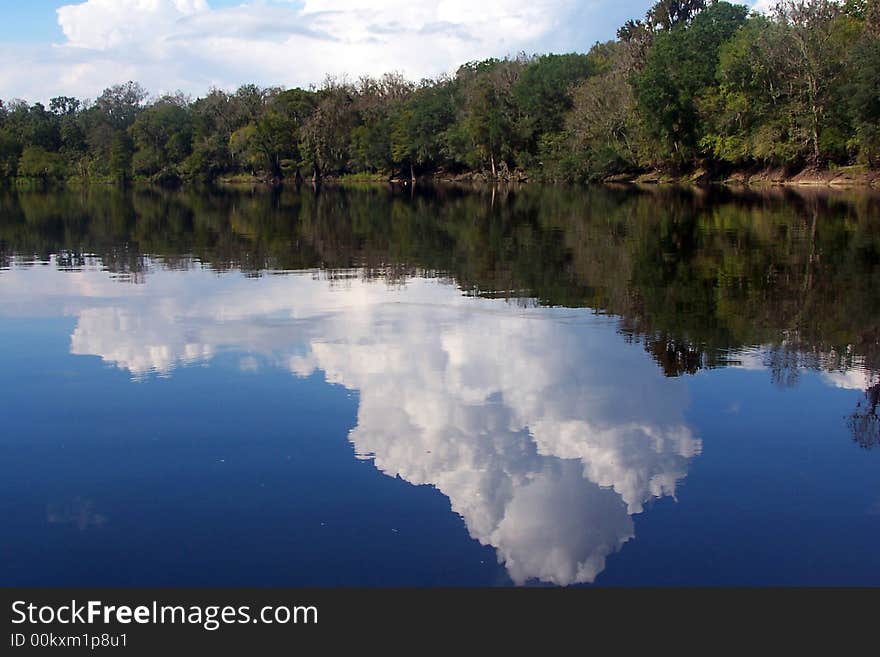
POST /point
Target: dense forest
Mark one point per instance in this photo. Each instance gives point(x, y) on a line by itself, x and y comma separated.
point(695, 86)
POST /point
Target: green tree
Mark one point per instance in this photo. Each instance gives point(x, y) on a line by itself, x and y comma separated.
point(120, 104)
point(748, 113)
point(668, 14)
point(483, 134)
point(817, 34)
point(679, 69)
point(377, 102)
point(601, 131)
point(214, 118)
point(121, 154)
point(418, 129)
point(37, 162)
point(10, 151)
point(863, 95)
point(274, 137)
point(325, 135)
point(162, 136)
point(543, 94)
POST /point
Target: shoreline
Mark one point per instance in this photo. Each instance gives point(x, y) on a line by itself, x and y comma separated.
point(854, 176)
point(848, 177)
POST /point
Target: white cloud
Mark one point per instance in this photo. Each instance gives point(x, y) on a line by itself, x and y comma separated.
point(854, 379)
point(190, 45)
point(763, 6)
point(107, 24)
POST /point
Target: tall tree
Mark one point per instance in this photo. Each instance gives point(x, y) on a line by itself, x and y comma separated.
point(816, 35)
point(326, 132)
point(418, 128)
point(679, 69)
point(484, 131)
point(864, 88)
point(543, 95)
point(162, 135)
point(274, 137)
point(120, 104)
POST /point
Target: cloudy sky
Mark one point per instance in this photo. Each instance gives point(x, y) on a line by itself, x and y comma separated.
point(52, 47)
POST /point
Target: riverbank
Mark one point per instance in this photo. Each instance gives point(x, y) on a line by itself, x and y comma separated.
point(848, 176)
point(855, 176)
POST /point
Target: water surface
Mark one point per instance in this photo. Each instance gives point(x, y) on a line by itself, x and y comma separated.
point(373, 387)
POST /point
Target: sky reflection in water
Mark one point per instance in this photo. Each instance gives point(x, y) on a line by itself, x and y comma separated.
point(552, 434)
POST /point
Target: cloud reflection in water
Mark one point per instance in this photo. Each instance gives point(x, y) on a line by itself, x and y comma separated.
point(545, 430)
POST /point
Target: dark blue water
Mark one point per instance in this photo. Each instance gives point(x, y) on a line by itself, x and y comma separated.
point(393, 422)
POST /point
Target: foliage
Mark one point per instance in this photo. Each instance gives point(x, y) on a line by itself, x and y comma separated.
point(695, 84)
point(864, 91)
point(37, 162)
point(679, 69)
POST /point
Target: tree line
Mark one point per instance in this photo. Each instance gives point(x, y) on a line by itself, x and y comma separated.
point(696, 85)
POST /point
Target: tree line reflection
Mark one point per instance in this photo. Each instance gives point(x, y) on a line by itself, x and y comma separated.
point(696, 276)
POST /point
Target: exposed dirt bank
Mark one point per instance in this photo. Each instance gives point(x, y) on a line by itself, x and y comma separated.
point(851, 176)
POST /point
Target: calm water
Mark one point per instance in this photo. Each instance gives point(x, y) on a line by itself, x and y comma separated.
point(542, 386)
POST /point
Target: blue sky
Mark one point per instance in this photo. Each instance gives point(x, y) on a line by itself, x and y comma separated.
point(78, 47)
